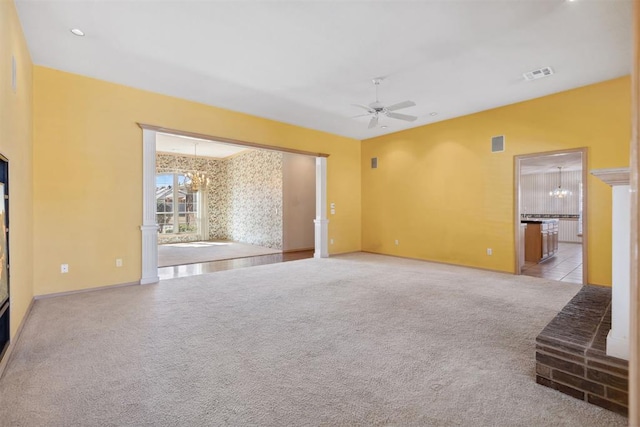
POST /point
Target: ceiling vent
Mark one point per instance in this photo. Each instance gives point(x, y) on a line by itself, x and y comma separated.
point(538, 74)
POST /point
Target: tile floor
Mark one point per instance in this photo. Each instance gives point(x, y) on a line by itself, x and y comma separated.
point(229, 264)
point(565, 266)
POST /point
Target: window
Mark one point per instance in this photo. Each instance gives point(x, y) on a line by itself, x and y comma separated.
point(176, 205)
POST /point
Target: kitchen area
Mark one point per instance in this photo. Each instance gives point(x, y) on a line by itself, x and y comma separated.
point(551, 216)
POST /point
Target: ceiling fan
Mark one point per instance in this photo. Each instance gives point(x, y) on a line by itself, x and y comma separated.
point(376, 108)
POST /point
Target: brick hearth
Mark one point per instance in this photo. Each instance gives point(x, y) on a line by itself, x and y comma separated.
point(571, 353)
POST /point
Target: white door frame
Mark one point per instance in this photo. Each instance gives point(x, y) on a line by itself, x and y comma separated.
point(149, 227)
point(585, 215)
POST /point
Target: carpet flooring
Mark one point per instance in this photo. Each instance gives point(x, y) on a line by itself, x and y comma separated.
point(359, 339)
point(195, 252)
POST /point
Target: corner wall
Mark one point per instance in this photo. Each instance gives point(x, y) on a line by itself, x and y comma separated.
point(298, 202)
point(445, 197)
point(254, 198)
point(88, 173)
point(16, 143)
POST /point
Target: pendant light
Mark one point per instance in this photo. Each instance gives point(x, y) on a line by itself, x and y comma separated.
point(560, 193)
point(196, 179)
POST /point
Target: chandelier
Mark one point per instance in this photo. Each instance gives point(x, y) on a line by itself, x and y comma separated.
point(196, 180)
point(560, 193)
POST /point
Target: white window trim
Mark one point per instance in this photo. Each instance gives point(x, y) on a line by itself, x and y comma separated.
point(175, 185)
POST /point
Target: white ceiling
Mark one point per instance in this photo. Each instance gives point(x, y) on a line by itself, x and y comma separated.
point(550, 163)
point(174, 144)
point(305, 62)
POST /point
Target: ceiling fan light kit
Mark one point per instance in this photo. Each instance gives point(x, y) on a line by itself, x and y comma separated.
point(376, 108)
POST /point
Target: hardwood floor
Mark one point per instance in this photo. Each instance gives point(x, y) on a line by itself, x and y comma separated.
point(229, 264)
point(565, 266)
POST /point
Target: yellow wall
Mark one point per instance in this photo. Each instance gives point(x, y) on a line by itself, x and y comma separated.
point(16, 144)
point(440, 191)
point(88, 173)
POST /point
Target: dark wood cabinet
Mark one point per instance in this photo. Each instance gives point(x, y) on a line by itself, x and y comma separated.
point(541, 240)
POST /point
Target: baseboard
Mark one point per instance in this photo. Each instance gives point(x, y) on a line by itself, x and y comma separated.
point(145, 281)
point(346, 253)
point(12, 343)
point(81, 291)
point(441, 262)
point(298, 250)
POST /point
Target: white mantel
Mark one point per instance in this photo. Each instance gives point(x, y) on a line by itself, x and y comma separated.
point(618, 338)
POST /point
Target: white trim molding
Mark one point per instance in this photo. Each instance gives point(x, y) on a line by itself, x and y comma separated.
point(149, 227)
point(321, 222)
point(618, 337)
point(614, 176)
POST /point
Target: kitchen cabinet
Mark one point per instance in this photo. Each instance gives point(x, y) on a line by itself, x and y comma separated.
point(541, 239)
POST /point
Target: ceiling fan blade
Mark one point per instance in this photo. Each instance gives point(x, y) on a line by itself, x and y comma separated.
point(400, 105)
point(374, 122)
point(362, 106)
point(399, 116)
point(361, 115)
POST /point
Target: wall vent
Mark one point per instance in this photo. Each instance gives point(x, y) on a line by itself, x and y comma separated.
point(538, 74)
point(497, 144)
point(374, 163)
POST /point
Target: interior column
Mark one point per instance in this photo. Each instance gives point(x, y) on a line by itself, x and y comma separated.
point(149, 226)
point(321, 222)
point(634, 297)
point(618, 337)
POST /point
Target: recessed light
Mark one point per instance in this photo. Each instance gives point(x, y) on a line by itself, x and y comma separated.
point(77, 32)
point(433, 113)
point(384, 127)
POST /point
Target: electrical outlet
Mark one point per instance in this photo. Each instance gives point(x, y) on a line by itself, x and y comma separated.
point(397, 242)
point(489, 251)
point(331, 241)
point(333, 211)
point(118, 262)
point(64, 268)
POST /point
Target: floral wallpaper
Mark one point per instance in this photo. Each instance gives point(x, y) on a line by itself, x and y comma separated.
point(243, 198)
point(218, 200)
point(255, 198)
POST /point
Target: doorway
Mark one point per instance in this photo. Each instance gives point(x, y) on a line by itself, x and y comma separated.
point(150, 225)
point(550, 215)
point(217, 201)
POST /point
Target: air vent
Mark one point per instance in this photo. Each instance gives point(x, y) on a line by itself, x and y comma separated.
point(497, 144)
point(538, 74)
point(374, 163)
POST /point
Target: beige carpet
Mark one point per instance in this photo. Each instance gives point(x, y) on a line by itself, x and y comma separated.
point(192, 252)
point(351, 340)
